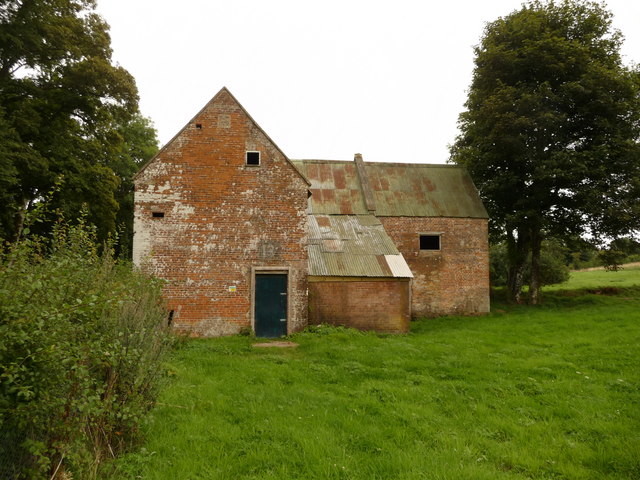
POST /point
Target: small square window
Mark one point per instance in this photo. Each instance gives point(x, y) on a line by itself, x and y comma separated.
point(429, 242)
point(253, 158)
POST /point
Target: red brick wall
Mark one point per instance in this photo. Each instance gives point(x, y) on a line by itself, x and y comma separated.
point(453, 280)
point(221, 218)
point(383, 306)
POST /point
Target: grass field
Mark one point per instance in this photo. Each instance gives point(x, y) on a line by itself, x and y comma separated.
point(626, 277)
point(549, 392)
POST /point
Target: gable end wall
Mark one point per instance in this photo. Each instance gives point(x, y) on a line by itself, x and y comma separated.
point(222, 219)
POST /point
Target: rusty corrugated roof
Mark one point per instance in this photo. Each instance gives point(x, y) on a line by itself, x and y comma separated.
point(353, 246)
point(414, 190)
point(335, 187)
point(399, 189)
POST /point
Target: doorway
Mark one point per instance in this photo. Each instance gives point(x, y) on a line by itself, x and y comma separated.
point(270, 304)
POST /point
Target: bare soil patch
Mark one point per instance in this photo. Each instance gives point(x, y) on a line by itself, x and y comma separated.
point(604, 291)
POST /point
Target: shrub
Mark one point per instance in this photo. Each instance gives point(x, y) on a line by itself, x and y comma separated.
point(621, 250)
point(553, 269)
point(612, 259)
point(82, 337)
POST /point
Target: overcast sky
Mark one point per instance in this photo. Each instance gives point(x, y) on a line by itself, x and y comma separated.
point(324, 79)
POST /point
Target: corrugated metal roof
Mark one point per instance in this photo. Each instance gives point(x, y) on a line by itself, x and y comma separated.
point(399, 189)
point(414, 190)
point(335, 187)
point(353, 246)
point(398, 266)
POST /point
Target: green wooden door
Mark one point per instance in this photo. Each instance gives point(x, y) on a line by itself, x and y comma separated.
point(271, 305)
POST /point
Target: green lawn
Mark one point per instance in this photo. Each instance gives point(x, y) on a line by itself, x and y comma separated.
point(550, 392)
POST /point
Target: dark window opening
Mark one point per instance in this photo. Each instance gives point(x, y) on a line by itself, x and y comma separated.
point(253, 158)
point(157, 214)
point(170, 318)
point(429, 242)
point(199, 126)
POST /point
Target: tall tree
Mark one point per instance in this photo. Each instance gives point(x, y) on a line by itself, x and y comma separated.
point(63, 107)
point(551, 130)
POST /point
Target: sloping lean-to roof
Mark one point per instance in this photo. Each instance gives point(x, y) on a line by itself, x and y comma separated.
point(353, 246)
point(398, 189)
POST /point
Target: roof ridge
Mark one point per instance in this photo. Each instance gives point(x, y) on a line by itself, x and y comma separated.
point(368, 163)
point(414, 165)
point(319, 160)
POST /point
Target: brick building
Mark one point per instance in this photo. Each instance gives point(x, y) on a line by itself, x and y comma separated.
point(249, 239)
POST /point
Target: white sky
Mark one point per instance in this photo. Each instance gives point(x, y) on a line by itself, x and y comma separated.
point(324, 79)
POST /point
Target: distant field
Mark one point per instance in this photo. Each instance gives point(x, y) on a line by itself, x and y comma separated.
point(626, 277)
point(549, 392)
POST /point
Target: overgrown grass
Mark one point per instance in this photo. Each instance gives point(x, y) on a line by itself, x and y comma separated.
point(549, 392)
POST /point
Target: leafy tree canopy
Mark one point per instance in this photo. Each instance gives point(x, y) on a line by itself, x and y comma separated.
point(66, 112)
point(551, 130)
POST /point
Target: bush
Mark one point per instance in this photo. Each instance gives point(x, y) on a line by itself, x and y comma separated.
point(498, 264)
point(553, 269)
point(612, 259)
point(621, 250)
point(82, 338)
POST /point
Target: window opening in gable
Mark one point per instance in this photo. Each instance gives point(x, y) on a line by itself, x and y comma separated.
point(253, 158)
point(157, 214)
point(199, 126)
point(429, 242)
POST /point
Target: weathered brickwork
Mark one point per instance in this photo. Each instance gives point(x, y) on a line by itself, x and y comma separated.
point(452, 280)
point(221, 205)
point(217, 218)
point(366, 304)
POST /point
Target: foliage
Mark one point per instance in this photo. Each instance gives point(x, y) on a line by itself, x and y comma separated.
point(553, 269)
point(65, 111)
point(611, 258)
point(498, 266)
point(621, 250)
point(81, 341)
point(629, 246)
point(139, 145)
point(581, 253)
point(544, 392)
point(551, 130)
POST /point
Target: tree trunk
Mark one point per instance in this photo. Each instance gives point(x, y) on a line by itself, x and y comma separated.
point(516, 282)
point(18, 222)
point(517, 251)
point(534, 283)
